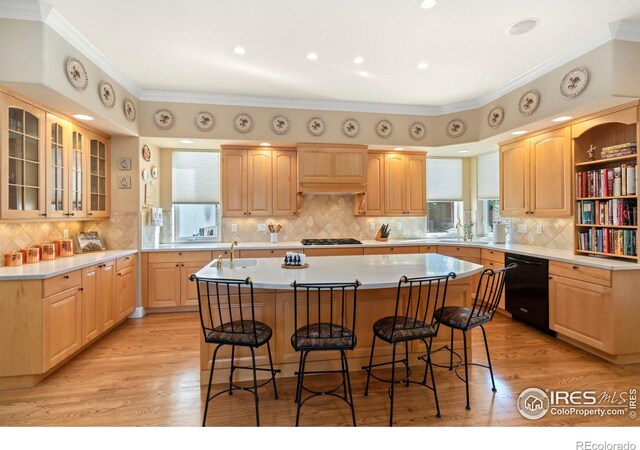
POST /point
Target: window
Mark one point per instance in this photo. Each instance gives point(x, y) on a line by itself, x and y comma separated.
point(444, 195)
point(488, 192)
point(196, 195)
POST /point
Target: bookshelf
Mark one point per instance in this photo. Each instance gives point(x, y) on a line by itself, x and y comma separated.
point(606, 185)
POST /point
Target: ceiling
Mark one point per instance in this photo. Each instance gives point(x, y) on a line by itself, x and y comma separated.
point(188, 46)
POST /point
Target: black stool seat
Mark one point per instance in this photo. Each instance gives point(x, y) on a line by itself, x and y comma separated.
point(405, 329)
point(459, 317)
point(328, 336)
point(240, 332)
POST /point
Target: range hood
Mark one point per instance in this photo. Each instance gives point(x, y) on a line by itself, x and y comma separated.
point(332, 168)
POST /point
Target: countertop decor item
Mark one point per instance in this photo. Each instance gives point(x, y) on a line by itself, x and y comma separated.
point(129, 110)
point(146, 153)
point(77, 74)
point(417, 131)
point(316, 126)
point(124, 163)
point(31, 255)
point(574, 82)
point(48, 251)
point(274, 230)
point(124, 182)
point(204, 121)
point(13, 259)
point(164, 119)
point(495, 117)
point(383, 233)
point(384, 129)
point(280, 124)
point(456, 128)
point(294, 260)
point(243, 123)
point(154, 172)
point(351, 128)
point(528, 102)
point(89, 242)
point(107, 94)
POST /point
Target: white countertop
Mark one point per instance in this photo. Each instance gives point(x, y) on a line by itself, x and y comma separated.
point(58, 266)
point(542, 252)
point(373, 271)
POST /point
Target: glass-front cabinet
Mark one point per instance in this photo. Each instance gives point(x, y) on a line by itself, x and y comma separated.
point(98, 177)
point(23, 162)
point(57, 163)
point(78, 171)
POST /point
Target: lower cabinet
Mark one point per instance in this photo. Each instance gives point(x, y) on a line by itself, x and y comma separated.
point(125, 299)
point(62, 325)
point(167, 277)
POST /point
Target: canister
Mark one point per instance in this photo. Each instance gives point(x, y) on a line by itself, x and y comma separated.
point(66, 247)
point(31, 255)
point(13, 259)
point(48, 251)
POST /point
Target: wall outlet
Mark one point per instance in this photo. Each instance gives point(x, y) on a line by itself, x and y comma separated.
point(399, 226)
point(522, 228)
point(372, 226)
point(262, 227)
point(539, 229)
point(65, 234)
point(234, 227)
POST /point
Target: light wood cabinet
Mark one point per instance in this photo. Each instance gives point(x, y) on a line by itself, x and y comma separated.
point(332, 168)
point(125, 300)
point(92, 325)
point(372, 202)
point(403, 249)
point(405, 184)
point(535, 175)
point(470, 254)
point(258, 182)
point(106, 293)
point(167, 278)
point(99, 176)
point(62, 326)
point(23, 166)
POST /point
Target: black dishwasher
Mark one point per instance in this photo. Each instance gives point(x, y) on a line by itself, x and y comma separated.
point(527, 290)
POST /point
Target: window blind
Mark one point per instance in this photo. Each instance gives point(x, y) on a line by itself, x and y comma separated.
point(488, 176)
point(196, 177)
point(444, 180)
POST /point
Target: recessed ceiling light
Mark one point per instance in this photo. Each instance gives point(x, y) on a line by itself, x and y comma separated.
point(82, 117)
point(423, 65)
point(428, 4)
point(562, 118)
point(463, 151)
point(523, 26)
point(358, 60)
point(239, 50)
point(398, 148)
point(519, 132)
point(186, 141)
point(364, 74)
point(265, 144)
point(312, 56)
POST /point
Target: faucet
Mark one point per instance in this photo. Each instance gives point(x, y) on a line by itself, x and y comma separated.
point(219, 262)
point(458, 227)
point(231, 263)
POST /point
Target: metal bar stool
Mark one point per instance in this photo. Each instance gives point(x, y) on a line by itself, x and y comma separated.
point(413, 321)
point(324, 319)
point(227, 322)
point(488, 295)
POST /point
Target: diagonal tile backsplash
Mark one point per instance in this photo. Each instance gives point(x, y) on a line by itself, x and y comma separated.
point(556, 233)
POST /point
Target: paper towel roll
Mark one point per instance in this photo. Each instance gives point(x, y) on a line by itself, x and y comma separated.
point(499, 233)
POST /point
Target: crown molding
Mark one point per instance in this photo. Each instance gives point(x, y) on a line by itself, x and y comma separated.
point(625, 30)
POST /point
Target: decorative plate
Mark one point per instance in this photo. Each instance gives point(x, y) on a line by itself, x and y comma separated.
point(417, 131)
point(107, 94)
point(164, 119)
point(351, 128)
point(495, 117)
point(205, 121)
point(384, 129)
point(574, 82)
point(528, 102)
point(129, 110)
point(243, 123)
point(146, 153)
point(280, 124)
point(145, 174)
point(456, 128)
point(154, 172)
point(77, 74)
point(316, 126)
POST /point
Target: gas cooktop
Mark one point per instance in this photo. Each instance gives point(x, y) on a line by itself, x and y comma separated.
point(341, 241)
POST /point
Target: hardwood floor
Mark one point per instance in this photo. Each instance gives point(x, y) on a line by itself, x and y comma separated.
point(145, 373)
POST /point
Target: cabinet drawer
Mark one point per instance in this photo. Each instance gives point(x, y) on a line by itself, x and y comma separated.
point(157, 257)
point(428, 249)
point(488, 264)
point(493, 255)
point(333, 251)
point(57, 284)
point(275, 253)
point(460, 252)
point(125, 261)
point(583, 273)
point(390, 250)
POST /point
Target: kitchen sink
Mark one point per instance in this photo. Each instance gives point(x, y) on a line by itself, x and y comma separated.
point(239, 263)
point(461, 241)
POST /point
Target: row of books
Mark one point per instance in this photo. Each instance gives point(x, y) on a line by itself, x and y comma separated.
point(608, 212)
point(614, 151)
point(607, 182)
point(608, 240)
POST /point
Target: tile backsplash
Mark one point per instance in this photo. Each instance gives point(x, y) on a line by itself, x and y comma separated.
point(556, 233)
point(121, 231)
point(322, 216)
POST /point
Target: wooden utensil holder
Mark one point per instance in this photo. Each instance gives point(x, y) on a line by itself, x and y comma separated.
point(380, 238)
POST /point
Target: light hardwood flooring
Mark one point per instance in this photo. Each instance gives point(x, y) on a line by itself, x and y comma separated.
point(145, 373)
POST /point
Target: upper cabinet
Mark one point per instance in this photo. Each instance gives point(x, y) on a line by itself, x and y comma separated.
point(535, 175)
point(332, 168)
point(98, 176)
point(258, 182)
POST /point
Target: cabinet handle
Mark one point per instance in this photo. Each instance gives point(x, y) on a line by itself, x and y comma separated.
point(89, 214)
point(244, 214)
point(391, 249)
point(181, 265)
point(126, 259)
point(249, 213)
point(44, 214)
point(575, 267)
point(71, 214)
point(81, 288)
point(551, 278)
point(119, 274)
point(66, 277)
point(179, 253)
point(177, 265)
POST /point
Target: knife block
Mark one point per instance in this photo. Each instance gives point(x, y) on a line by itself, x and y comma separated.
point(380, 238)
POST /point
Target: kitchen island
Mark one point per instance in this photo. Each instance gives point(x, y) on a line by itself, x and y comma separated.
point(379, 275)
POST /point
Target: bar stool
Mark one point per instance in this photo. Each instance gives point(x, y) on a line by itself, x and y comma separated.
point(488, 295)
point(413, 321)
point(324, 319)
point(227, 318)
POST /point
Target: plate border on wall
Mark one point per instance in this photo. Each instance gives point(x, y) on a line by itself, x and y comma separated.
point(322, 129)
point(382, 132)
point(131, 116)
point(275, 125)
point(414, 132)
point(567, 78)
point(354, 125)
point(243, 129)
point(535, 96)
point(500, 117)
point(79, 84)
point(165, 115)
point(203, 114)
point(456, 128)
point(106, 87)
